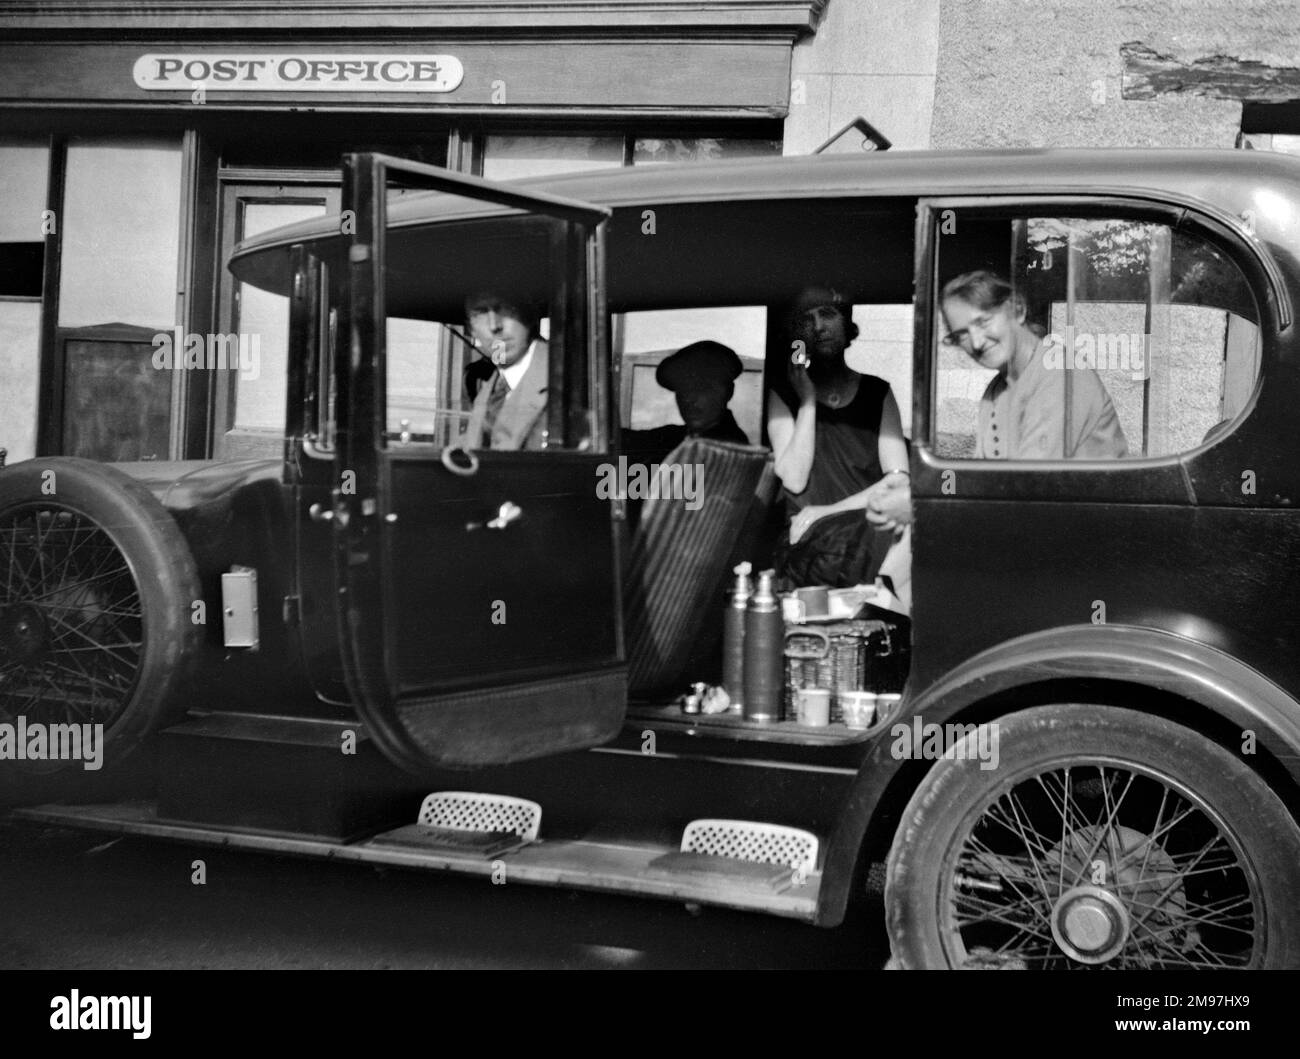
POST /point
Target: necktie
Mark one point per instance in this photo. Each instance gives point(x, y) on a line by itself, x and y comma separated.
point(496, 398)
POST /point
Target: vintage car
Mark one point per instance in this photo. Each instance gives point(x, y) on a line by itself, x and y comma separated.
point(388, 645)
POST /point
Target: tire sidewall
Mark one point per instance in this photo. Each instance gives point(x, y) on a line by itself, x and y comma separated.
point(165, 577)
point(955, 790)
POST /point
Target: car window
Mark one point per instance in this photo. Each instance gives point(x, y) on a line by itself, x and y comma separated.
point(884, 348)
point(469, 356)
point(417, 355)
point(1085, 337)
point(644, 339)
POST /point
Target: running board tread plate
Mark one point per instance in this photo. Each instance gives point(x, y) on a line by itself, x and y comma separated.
point(577, 864)
point(487, 825)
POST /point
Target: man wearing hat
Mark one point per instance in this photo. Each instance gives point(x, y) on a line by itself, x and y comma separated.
point(702, 377)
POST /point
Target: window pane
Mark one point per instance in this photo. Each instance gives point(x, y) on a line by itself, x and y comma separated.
point(649, 337)
point(1287, 143)
point(116, 405)
point(20, 337)
point(657, 151)
point(1088, 338)
point(413, 362)
point(259, 149)
point(264, 325)
point(121, 232)
point(470, 338)
point(884, 348)
point(24, 170)
point(510, 157)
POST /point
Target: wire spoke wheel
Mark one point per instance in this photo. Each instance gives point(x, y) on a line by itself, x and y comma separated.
point(95, 605)
point(71, 619)
point(1105, 839)
point(1101, 864)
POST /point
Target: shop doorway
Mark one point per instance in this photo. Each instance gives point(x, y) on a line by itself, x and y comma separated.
point(249, 395)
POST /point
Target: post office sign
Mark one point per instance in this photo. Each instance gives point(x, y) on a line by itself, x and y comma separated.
point(298, 72)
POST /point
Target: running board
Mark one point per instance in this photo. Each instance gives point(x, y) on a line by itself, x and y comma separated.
point(646, 869)
point(466, 821)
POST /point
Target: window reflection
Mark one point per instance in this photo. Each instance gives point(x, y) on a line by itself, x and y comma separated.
point(121, 232)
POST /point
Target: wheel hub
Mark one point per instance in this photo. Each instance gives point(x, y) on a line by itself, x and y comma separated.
point(1090, 924)
point(24, 633)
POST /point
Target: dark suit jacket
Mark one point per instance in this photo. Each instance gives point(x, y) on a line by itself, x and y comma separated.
point(521, 423)
point(651, 446)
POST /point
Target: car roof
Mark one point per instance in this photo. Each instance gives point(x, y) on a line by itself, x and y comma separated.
point(1229, 182)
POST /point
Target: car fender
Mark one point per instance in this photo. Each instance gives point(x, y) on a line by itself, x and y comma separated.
point(1126, 655)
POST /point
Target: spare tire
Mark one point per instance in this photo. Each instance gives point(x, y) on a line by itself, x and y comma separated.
point(96, 628)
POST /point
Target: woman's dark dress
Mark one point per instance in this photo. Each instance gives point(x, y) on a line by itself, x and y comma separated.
point(844, 549)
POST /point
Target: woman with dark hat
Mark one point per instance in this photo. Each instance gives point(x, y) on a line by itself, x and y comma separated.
point(837, 438)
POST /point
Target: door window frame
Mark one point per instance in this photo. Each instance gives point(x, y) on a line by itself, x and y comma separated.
point(234, 195)
point(1142, 479)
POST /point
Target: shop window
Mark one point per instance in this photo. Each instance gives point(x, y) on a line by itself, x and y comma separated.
point(24, 173)
point(115, 405)
point(511, 157)
point(24, 170)
point(282, 149)
point(1121, 338)
point(651, 150)
point(121, 232)
point(22, 268)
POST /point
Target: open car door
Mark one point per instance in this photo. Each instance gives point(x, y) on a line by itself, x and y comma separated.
point(480, 611)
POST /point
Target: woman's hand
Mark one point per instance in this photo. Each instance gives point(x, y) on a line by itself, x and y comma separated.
point(889, 503)
point(805, 518)
point(804, 388)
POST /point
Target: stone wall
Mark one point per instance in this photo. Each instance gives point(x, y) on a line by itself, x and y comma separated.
point(1021, 73)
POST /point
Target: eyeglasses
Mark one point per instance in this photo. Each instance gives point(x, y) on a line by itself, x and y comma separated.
point(957, 339)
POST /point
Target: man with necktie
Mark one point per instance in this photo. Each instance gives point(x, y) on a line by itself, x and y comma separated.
point(509, 410)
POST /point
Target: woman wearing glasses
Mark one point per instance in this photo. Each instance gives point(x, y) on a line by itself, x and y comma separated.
point(1024, 413)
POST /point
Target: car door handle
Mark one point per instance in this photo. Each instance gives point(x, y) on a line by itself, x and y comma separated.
point(321, 513)
point(507, 513)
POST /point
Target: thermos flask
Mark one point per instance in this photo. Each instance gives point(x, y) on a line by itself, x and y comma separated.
point(733, 638)
point(764, 652)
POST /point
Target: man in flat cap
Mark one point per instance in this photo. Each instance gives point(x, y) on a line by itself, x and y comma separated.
point(703, 378)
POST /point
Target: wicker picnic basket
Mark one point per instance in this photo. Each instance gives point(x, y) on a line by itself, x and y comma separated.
point(853, 655)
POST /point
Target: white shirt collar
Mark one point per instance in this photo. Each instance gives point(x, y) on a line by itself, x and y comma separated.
point(515, 372)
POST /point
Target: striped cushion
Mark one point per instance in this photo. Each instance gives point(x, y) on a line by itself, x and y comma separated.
point(678, 566)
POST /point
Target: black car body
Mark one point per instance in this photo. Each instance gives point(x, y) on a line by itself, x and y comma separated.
point(1123, 626)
